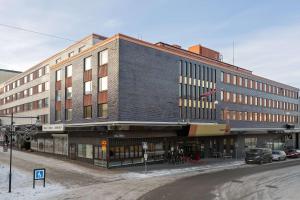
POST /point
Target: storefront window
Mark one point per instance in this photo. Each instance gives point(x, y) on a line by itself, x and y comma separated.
point(85, 151)
point(250, 142)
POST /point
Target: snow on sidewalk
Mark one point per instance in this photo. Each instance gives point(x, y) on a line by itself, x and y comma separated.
point(22, 186)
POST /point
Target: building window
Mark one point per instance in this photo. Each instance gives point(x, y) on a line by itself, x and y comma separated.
point(30, 91)
point(69, 71)
point(68, 113)
point(102, 83)
point(58, 75)
point(69, 93)
point(88, 63)
point(234, 79)
point(31, 77)
point(46, 86)
point(40, 73)
point(40, 88)
point(57, 115)
point(103, 57)
point(47, 69)
point(81, 49)
point(46, 102)
point(25, 79)
point(18, 83)
point(40, 104)
point(102, 110)
point(58, 95)
point(88, 87)
point(87, 112)
point(222, 77)
point(71, 54)
point(58, 60)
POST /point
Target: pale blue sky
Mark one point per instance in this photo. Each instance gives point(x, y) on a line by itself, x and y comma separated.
point(266, 33)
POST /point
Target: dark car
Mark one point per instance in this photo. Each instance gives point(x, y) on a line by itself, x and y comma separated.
point(258, 155)
point(292, 153)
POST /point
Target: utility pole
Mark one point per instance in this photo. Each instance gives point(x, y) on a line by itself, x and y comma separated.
point(10, 157)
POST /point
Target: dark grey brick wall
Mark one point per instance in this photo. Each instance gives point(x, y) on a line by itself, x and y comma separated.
point(148, 84)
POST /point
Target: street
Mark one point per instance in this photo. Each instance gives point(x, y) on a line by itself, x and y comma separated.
point(278, 180)
point(72, 180)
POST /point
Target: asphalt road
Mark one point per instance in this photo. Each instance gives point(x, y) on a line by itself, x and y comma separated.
point(257, 182)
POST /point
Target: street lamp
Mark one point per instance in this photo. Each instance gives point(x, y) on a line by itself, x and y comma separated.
point(28, 132)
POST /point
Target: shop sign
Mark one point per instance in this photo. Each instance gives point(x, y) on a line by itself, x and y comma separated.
point(53, 128)
point(103, 142)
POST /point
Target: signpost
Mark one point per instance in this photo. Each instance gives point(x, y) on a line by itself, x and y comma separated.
point(145, 147)
point(39, 174)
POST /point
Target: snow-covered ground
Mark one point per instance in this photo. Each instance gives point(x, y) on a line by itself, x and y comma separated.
point(67, 180)
point(22, 186)
point(276, 184)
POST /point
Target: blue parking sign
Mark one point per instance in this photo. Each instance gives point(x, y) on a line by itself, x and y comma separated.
point(39, 174)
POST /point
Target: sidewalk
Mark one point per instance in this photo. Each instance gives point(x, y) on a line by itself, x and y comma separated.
point(166, 169)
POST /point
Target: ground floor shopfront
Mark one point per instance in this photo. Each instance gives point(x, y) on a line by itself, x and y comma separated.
point(123, 147)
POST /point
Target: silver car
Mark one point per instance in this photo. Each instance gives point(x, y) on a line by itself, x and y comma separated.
point(278, 155)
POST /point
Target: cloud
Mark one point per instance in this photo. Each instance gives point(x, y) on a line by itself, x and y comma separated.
point(272, 52)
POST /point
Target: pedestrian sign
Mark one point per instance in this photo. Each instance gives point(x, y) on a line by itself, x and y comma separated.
point(39, 174)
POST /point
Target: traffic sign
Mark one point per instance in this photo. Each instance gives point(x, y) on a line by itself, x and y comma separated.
point(39, 174)
point(145, 145)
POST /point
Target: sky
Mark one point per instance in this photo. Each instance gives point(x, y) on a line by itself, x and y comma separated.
point(266, 34)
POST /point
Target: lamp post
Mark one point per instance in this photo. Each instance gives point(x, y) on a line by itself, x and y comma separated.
point(13, 132)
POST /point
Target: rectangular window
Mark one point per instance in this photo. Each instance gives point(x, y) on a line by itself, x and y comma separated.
point(69, 93)
point(57, 115)
point(103, 57)
point(31, 77)
point(40, 104)
point(81, 49)
point(234, 79)
point(40, 88)
point(222, 77)
point(47, 86)
point(25, 79)
point(18, 83)
point(58, 95)
point(58, 75)
point(71, 54)
point(102, 84)
point(246, 82)
point(30, 91)
point(88, 63)
point(40, 73)
point(103, 110)
point(58, 60)
point(47, 69)
point(88, 87)
point(87, 112)
point(68, 113)
point(69, 71)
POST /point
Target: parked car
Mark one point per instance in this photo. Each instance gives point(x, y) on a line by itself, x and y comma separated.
point(278, 155)
point(258, 155)
point(292, 153)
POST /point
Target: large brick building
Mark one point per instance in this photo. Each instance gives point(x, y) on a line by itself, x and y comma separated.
point(108, 99)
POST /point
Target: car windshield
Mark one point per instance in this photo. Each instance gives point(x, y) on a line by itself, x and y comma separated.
point(276, 152)
point(254, 151)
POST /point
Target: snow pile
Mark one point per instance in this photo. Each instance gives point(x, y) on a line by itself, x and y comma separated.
point(22, 186)
point(198, 169)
